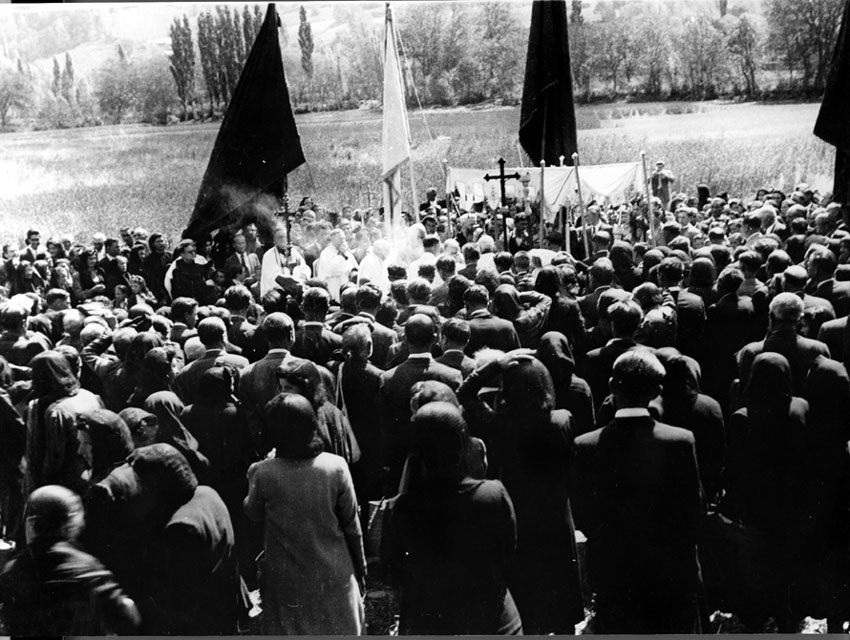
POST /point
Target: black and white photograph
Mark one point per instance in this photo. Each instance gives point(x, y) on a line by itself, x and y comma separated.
point(461, 317)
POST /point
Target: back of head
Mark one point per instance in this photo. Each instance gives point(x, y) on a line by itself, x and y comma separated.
point(503, 261)
point(12, 316)
point(293, 429)
point(368, 297)
point(471, 252)
point(419, 331)
point(52, 376)
point(647, 295)
point(237, 298)
point(476, 297)
point(608, 298)
point(786, 309)
point(53, 514)
point(446, 265)
point(441, 440)
point(418, 291)
point(527, 388)
point(212, 332)
point(671, 271)
point(506, 302)
point(165, 474)
point(357, 341)
point(427, 391)
point(637, 377)
point(625, 317)
point(729, 280)
point(794, 278)
point(279, 330)
point(182, 307)
point(550, 282)
point(111, 440)
point(315, 303)
point(602, 272)
point(348, 298)
point(455, 331)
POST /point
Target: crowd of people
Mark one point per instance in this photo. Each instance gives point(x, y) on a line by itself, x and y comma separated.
point(292, 404)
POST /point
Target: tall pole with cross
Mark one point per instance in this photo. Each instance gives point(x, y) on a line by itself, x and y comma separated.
point(502, 178)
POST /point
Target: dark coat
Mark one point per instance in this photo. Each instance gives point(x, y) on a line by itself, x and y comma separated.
point(315, 342)
point(589, 306)
point(383, 338)
point(598, 364)
point(247, 337)
point(837, 292)
point(690, 320)
point(638, 501)
point(187, 382)
point(800, 352)
point(486, 330)
point(458, 360)
point(395, 396)
point(832, 334)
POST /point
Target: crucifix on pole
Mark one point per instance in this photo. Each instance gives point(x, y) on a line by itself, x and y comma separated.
point(502, 178)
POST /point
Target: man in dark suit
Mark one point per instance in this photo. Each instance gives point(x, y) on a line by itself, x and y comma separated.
point(454, 337)
point(786, 311)
point(420, 334)
point(471, 255)
point(419, 293)
point(446, 267)
point(794, 280)
point(625, 317)
point(601, 276)
point(184, 315)
point(244, 261)
point(368, 299)
point(258, 381)
point(832, 334)
point(485, 329)
point(639, 502)
point(112, 275)
point(213, 335)
point(820, 265)
point(731, 323)
point(690, 309)
point(241, 332)
point(313, 340)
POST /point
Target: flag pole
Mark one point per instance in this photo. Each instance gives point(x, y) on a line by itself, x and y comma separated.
point(542, 204)
point(650, 230)
point(581, 208)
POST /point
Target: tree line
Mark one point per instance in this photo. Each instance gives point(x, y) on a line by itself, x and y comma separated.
point(453, 53)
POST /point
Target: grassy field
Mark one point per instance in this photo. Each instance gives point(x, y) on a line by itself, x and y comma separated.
point(85, 180)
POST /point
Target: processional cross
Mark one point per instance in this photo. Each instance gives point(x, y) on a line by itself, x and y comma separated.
point(502, 178)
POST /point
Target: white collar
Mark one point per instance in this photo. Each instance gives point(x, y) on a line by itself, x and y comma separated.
point(633, 412)
point(420, 356)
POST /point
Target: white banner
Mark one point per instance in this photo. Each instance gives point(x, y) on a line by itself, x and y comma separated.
point(613, 183)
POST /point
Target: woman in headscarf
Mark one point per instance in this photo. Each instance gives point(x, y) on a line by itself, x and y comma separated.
point(828, 393)
point(767, 479)
point(52, 455)
point(143, 426)
point(510, 304)
point(13, 435)
point(168, 409)
point(104, 442)
point(564, 314)
point(453, 537)
point(314, 569)
point(530, 443)
point(220, 426)
point(26, 280)
point(303, 377)
point(54, 588)
point(192, 584)
point(136, 258)
point(571, 392)
point(155, 374)
point(683, 405)
point(133, 360)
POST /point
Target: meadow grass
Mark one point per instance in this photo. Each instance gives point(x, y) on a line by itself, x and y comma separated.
point(84, 180)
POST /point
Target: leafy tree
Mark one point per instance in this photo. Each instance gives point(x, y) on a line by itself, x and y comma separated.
point(67, 81)
point(182, 61)
point(701, 52)
point(239, 53)
point(208, 47)
point(15, 93)
point(116, 90)
point(248, 34)
point(56, 87)
point(305, 42)
point(802, 33)
point(498, 43)
point(744, 42)
point(258, 24)
point(655, 57)
point(155, 94)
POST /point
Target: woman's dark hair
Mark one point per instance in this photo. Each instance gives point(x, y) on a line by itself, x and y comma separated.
point(527, 388)
point(166, 473)
point(550, 282)
point(293, 428)
point(304, 374)
point(111, 440)
point(457, 287)
point(441, 440)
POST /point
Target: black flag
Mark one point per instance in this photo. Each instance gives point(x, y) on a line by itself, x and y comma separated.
point(547, 127)
point(833, 123)
point(258, 143)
